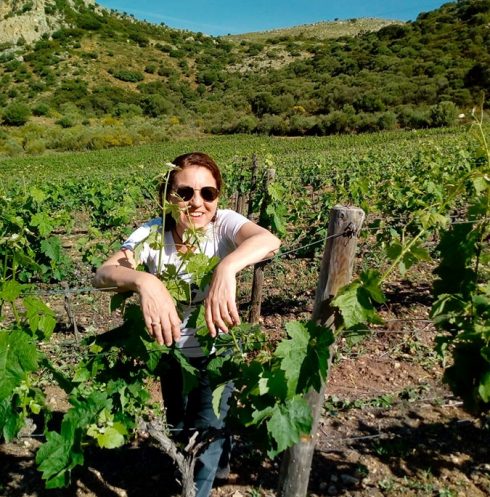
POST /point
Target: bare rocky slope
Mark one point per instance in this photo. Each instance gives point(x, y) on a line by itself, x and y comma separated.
point(28, 20)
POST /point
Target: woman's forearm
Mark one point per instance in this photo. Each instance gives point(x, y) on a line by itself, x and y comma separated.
point(120, 277)
point(252, 250)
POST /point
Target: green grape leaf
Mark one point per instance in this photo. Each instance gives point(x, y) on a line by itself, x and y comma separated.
point(201, 267)
point(11, 421)
point(275, 218)
point(292, 353)
point(288, 423)
point(394, 250)
point(217, 396)
point(63, 451)
point(314, 369)
point(11, 290)
point(40, 317)
point(484, 387)
point(189, 372)
point(18, 357)
point(371, 282)
point(432, 219)
point(177, 287)
point(480, 183)
point(355, 305)
point(55, 460)
point(485, 353)
point(112, 436)
point(43, 222)
point(51, 248)
point(258, 415)
point(154, 239)
point(37, 194)
point(275, 191)
point(420, 253)
point(197, 320)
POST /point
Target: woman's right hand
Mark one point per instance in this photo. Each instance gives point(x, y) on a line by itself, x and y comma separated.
point(158, 307)
point(159, 310)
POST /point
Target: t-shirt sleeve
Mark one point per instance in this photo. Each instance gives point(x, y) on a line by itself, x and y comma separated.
point(139, 236)
point(229, 223)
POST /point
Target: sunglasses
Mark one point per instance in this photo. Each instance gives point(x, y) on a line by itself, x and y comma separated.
point(185, 193)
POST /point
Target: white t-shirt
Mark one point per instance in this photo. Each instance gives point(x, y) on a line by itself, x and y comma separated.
point(219, 240)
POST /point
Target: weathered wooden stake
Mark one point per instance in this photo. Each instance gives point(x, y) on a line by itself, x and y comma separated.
point(69, 311)
point(258, 280)
point(240, 203)
point(253, 185)
point(335, 272)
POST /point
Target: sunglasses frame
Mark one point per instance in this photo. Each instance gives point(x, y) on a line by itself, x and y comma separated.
point(184, 197)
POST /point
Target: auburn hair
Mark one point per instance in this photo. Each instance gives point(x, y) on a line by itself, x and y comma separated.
point(199, 159)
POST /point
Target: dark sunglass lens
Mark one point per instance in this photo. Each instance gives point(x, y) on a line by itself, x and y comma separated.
point(185, 193)
point(209, 193)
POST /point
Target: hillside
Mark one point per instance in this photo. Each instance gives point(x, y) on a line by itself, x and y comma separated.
point(101, 69)
point(27, 21)
point(319, 30)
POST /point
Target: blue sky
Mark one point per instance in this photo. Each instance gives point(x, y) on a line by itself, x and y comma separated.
point(220, 17)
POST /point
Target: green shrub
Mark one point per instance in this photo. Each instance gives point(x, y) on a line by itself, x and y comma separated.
point(151, 68)
point(12, 148)
point(41, 109)
point(64, 33)
point(128, 76)
point(89, 55)
point(140, 39)
point(246, 124)
point(413, 118)
point(165, 71)
point(12, 66)
point(66, 121)
point(35, 147)
point(156, 105)
point(443, 114)
point(37, 87)
point(16, 114)
point(127, 110)
point(89, 21)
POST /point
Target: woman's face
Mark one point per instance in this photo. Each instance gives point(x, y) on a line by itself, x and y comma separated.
point(196, 212)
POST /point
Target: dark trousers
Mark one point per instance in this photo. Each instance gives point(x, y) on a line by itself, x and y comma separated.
point(195, 411)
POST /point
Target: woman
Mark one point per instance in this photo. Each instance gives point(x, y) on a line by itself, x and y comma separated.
point(194, 186)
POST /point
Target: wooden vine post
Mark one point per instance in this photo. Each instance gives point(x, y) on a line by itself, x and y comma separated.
point(335, 272)
point(258, 279)
point(253, 185)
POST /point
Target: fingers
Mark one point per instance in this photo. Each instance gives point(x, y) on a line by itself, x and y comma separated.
point(165, 331)
point(220, 315)
point(161, 318)
point(208, 315)
point(233, 313)
point(220, 307)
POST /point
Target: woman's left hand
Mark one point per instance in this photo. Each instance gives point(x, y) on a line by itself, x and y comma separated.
point(220, 306)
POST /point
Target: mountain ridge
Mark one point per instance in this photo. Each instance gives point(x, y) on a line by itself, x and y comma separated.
point(105, 68)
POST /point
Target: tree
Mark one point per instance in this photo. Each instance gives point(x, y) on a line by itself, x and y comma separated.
point(16, 114)
point(443, 114)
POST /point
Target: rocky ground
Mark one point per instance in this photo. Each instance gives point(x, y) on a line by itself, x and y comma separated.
point(389, 426)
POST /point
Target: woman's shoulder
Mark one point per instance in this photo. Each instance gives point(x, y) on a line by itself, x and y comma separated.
point(229, 215)
point(141, 233)
point(229, 222)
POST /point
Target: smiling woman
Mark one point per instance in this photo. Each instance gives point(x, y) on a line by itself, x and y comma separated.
point(193, 188)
